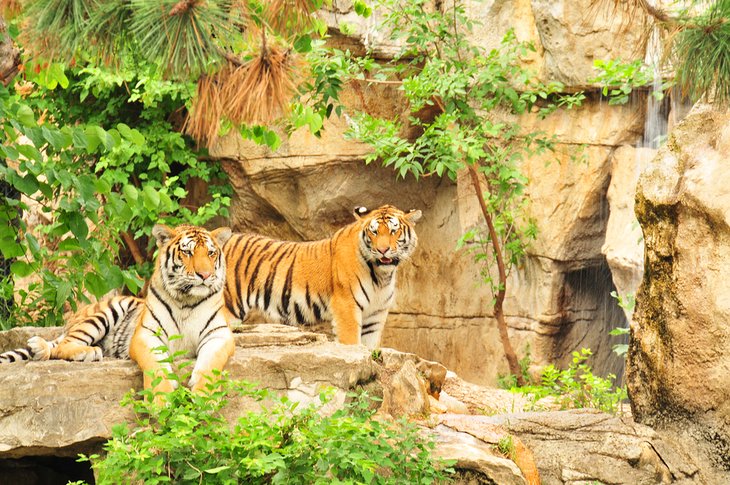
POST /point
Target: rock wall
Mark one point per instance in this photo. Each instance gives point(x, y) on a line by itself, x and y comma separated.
point(558, 299)
point(678, 365)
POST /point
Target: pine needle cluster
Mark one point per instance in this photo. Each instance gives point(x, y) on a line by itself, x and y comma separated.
point(239, 51)
point(696, 40)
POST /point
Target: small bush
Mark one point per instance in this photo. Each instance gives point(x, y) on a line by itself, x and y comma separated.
point(189, 441)
point(577, 387)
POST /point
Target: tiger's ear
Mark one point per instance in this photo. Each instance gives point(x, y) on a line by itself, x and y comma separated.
point(222, 234)
point(360, 211)
point(162, 234)
point(413, 216)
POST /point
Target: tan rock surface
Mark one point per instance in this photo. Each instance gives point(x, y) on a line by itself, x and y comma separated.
point(678, 365)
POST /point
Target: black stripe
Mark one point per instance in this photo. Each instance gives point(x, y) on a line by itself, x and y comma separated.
point(269, 284)
point(368, 325)
point(306, 296)
point(203, 341)
point(286, 291)
point(373, 276)
point(78, 330)
point(159, 323)
point(379, 312)
point(298, 314)
point(355, 298)
point(154, 332)
point(115, 316)
point(367, 332)
point(215, 313)
point(317, 312)
point(164, 303)
point(363, 289)
point(254, 275)
point(205, 298)
point(101, 325)
point(237, 276)
point(11, 356)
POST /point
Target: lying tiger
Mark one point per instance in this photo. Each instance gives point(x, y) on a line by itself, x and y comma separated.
point(348, 279)
point(185, 297)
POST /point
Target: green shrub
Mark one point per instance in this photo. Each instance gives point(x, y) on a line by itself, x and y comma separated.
point(577, 386)
point(189, 441)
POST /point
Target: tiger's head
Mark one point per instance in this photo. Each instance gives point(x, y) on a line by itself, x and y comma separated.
point(387, 234)
point(190, 259)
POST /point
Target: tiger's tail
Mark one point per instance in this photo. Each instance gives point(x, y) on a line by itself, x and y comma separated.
point(16, 355)
point(38, 349)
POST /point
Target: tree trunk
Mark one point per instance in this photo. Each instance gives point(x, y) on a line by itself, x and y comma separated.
point(509, 352)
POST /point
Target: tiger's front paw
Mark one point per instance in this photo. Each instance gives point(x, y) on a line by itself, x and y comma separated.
point(40, 348)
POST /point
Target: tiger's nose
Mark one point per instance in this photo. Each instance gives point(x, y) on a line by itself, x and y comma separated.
point(204, 275)
point(383, 250)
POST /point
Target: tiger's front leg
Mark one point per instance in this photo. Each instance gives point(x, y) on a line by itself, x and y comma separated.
point(215, 348)
point(145, 350)
point(346, 317)
point(372, 328)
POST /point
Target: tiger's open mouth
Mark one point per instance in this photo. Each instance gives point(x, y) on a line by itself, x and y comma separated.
point(386, 261)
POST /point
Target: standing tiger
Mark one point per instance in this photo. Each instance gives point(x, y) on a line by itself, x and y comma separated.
point(348, 279)
point(185, 297)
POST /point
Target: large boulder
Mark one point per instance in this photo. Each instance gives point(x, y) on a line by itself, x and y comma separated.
point(678, 361)
point(58, 409)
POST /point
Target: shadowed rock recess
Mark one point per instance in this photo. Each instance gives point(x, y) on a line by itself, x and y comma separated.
point(51, 411)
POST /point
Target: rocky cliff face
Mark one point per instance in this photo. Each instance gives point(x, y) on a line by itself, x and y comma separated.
point(558, 299)
point(677, 372)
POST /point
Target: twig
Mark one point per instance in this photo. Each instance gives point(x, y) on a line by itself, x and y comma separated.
point(134, 248)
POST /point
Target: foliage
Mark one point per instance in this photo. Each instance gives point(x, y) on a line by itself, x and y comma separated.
point(50, 166)
point(189, 441)
point(619, 79)
point(509, 381)
point(577, 386)
point(506, 446)
point(103, 160)
point(700, 53)
point(628, 303)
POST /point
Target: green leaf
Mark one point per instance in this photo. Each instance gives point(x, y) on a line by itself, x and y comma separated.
point(80, 140)
point(151, 198)
point(303, 44)
point(56, 138)
point(217, 469)
point(77, 224)
point(25, 115)
point(63, 291)
point(11, 248)
point(131, 134)
point(362, 8)
point(21, 268)
point(131, 193)
point(30, 152)
point(27, 184)
point(96, 284)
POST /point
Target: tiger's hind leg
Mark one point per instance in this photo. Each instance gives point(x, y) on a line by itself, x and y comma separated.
point(76, 351)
